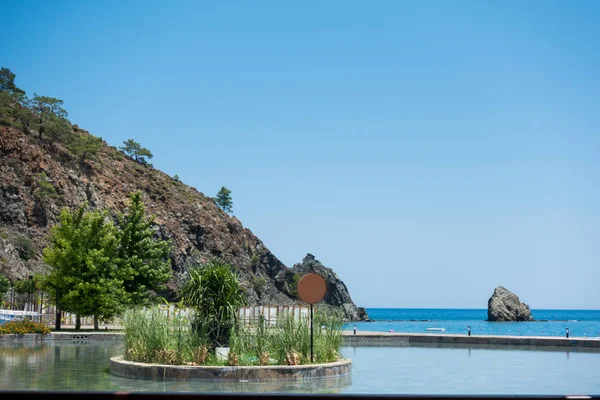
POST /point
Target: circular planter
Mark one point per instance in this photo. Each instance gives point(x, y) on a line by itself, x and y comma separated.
point(134, 370)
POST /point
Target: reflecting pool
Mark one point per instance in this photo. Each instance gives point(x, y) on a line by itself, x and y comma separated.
point(381, 370)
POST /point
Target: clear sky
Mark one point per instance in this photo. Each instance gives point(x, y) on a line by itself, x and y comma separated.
point(426, 151)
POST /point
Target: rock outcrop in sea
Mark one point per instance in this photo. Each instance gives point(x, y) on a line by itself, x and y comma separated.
point(337, 295)
point(506, 306)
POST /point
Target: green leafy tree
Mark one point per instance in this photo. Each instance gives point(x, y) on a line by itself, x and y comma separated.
point(4, 285)
point(135, 150)
point(83, 272)
point(50, 114)
point(85, 145)
point(223, 199)
point(214, 291)
point(143, 260)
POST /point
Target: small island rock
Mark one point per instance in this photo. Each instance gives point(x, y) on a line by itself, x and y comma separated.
point(506, 306)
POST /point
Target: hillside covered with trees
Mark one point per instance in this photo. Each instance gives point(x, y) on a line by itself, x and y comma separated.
point(48, 164)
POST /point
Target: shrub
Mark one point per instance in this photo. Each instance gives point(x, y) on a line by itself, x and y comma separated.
point(214, 292)
point(45, 187)
point(23, 326)
point(294, 287)
point(259, 283)
point(25, 248)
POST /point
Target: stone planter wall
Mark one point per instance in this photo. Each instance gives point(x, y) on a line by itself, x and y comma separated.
point(127, 369)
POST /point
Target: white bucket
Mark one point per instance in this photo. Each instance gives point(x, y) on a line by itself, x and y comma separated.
point(222, 353)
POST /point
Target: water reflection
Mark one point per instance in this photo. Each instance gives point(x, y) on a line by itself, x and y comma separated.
point(404, 369)
point(68, 366)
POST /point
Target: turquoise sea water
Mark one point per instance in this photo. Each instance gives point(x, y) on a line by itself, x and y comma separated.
point(581, 323)
point(376, 370)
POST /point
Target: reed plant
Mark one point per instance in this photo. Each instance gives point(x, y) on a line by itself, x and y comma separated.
point(152, 336)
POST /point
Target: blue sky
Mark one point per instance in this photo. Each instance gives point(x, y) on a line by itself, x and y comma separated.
point(426, 151)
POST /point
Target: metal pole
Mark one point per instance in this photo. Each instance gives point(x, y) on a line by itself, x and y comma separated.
point(31, 295)
point(311, 333)
point(57, 321)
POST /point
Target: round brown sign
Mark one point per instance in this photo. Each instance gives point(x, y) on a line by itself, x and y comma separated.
point(311, 288)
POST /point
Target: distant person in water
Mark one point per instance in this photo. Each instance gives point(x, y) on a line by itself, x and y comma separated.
point(391, 331)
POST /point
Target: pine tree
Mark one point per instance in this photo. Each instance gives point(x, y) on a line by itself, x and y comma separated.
point(143, 260)
point(135, 150)
point(50, 114)
point(223, 199)
point(85, 145)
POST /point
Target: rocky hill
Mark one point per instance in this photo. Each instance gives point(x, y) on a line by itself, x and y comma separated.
point(39, 177)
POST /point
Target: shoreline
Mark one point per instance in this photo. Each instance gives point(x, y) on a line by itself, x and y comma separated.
point(358, 339)
point(389, 338)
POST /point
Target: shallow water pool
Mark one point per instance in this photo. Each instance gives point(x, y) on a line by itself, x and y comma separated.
point(381, 370)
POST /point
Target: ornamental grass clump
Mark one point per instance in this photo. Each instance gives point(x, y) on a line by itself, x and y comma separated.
point(291, 341)
point(22, 327)
point(327, 336)
point(152, 336)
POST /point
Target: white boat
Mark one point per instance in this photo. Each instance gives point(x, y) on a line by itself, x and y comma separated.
point(436, 329)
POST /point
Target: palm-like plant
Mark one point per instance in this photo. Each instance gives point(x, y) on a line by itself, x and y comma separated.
point(214, 291)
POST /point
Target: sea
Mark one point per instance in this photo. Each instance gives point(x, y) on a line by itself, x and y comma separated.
point(580, 323)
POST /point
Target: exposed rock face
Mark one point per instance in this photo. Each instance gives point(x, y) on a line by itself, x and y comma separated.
point(197, 227)
point(337, 294)
point(506, 306)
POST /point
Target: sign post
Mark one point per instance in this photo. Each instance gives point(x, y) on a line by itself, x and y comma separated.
point(311, 289)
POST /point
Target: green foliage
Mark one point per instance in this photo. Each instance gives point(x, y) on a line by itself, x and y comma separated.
point(223, 199)
point(143, 261)
point(294, 286)
point(57, 128)
point(45, 187)
point(255, 260)
point(3, 235)
point(25, 286)
point(176, 177)
point(259, 283)
point(84, 145)
point(152, 337)
point(135, 150)
point(4, 285)
point(25, 248)
point(328, 336)
point(51, 117)
point(83, 273)
point(11, 97)
point(7, 81)
point(214, 292)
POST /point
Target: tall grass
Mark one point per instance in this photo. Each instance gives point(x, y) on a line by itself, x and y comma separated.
point(151, 337)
